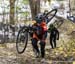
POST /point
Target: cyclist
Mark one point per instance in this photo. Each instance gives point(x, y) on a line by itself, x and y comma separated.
point(39, 34)
point(54, 35)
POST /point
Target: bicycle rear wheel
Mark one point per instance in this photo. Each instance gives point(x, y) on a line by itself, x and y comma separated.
point(22, 40)
point(51, 15)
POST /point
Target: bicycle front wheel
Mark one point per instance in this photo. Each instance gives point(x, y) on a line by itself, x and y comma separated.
point(22, 40)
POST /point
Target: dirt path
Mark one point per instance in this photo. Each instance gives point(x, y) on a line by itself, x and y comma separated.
point(9, 55)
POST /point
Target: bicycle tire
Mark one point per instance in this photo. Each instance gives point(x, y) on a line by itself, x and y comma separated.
point(49, 13)
point(25, 41)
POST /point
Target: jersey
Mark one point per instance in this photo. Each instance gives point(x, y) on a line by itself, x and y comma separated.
point(40, 30)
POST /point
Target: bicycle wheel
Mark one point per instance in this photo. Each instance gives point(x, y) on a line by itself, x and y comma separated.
point(22, 40)
point(51, 14)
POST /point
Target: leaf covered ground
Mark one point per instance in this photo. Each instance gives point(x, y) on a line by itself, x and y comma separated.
point(59, 55)
point(63, 54)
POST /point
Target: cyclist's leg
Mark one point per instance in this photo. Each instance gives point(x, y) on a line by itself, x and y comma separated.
point(34, 44)
point(51, 42)
point(42, 44)
point(54, 40)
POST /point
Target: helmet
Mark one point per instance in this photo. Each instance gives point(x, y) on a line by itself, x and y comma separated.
point(52, 26)
point(39, 18)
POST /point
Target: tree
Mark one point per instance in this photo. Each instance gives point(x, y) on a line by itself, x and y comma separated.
point(12, 11)
point(12, 16)
point(69, 8)
point(3, 9)
point(72, 7)
point(35, 7)
point(16, 11)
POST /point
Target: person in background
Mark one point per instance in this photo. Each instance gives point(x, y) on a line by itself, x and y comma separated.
point(54, 35)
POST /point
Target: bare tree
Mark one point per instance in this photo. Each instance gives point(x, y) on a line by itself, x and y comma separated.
point(12, 11)
point(69, 8)
point(35, 7)
point(12, 17)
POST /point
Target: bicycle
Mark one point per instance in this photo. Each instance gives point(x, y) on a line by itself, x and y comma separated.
point(22, 37)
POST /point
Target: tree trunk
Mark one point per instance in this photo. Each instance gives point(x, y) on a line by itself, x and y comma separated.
point(12, 16)
point(12, 11)
point(69, 8)
point(72, 7)
point(35, 7)
point(16, 11)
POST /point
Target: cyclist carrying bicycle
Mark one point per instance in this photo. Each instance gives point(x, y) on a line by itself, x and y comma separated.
point(39, 34)
point(37, 31)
